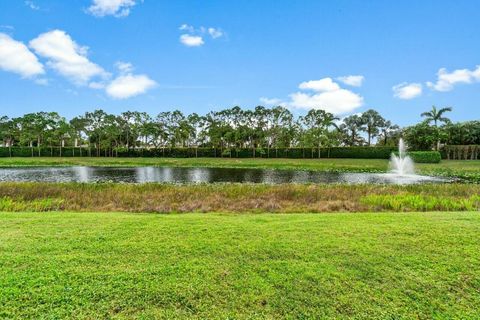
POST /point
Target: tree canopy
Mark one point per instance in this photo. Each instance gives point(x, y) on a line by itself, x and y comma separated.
point(258, 128)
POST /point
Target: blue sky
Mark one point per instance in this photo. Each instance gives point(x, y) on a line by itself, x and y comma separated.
point(399, 57)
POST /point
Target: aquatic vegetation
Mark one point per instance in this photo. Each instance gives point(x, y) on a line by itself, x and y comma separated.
point(287, 198)
point(414, 202)
point(8, 204)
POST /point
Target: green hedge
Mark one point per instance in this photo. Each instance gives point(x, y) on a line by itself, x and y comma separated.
point(425, 156)
point(292, 153)
point(362, 152)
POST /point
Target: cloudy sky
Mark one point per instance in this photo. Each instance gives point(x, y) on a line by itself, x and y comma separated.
point(198, 55)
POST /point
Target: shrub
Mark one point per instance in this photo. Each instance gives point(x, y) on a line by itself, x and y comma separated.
point(425, 156)
point(360, 152)
point(227, 153)
point(259, 152)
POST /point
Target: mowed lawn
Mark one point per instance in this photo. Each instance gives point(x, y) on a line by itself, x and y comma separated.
point(302, 164)
point(219, 266)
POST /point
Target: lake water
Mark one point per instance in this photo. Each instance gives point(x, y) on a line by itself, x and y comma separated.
point(199, 175)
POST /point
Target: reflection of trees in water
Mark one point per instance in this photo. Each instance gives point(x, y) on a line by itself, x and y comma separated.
point(196, 175)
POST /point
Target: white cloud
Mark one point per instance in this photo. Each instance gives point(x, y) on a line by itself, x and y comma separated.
point(447, 80)
point(32, 5)
point(186, 27)
point(97, 85)
point(195, 37)
point(271, 102)
point(16, 57)
point(215, 33)
point(116, 8)
point(326, 95)
point(126, 86)
point(337, 101)
point(70, 60)
point(407, 91)
point(476, 73)
point(66, 57)
point(325, 84)
point(124, 67)
point(354, 81)
point(191, 41)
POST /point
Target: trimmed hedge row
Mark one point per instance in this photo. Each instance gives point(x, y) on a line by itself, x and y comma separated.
point(292, 153)
point(44, 152)
point(425, 156)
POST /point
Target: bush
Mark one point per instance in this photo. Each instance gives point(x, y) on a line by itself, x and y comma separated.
point(226, 153)
point(425, 156)
point(360, 152)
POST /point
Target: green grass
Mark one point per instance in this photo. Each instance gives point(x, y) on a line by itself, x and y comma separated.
point(465, 169)
point(303, 164)
point(219, 266)
point(418, 202)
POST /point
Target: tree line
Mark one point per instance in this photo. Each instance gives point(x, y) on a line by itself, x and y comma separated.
point(260, 128)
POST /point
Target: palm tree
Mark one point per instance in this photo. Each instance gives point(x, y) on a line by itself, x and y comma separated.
point(436, 115)
point(386, 129)
point(317, 122)
point(78, 125)
point(352, 126)
point(372, 121)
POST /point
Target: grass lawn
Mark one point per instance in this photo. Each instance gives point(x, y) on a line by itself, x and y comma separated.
point(466, 169)
point(360, 265)
point(304, 164)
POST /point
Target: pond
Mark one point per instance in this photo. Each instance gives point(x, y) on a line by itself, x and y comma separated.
point(201, 175)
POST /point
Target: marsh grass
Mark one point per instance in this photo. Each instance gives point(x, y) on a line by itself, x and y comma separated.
point(8, 204)
point(415, 202)
point(285, 198)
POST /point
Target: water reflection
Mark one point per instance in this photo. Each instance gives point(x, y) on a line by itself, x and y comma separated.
point(199, 175)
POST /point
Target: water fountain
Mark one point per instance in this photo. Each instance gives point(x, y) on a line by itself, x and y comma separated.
point(402, 169)
point(402, 164)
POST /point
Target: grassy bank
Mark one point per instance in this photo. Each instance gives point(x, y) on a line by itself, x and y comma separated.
point(286, 198)
point(301, 164)
point(465, 169)
point(124, 266)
